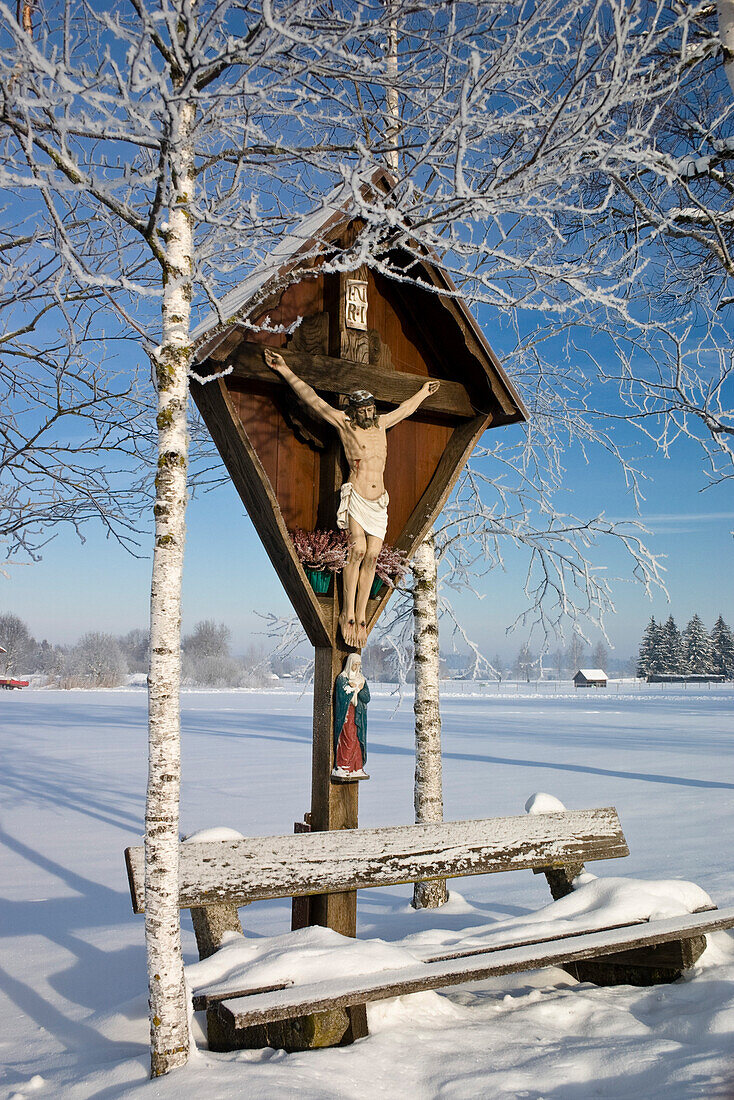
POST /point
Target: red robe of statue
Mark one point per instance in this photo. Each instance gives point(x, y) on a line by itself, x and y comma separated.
point(348, 749)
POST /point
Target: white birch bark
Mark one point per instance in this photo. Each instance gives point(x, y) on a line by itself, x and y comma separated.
point(725, 10)
point(169, 1031)
point(392, 102)
point(428, 777)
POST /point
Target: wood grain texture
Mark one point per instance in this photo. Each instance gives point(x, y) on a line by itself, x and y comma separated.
point(302, 299)
point(455, 333)
point(452, 462)
point(334, 806)
point(255, 489)
point(292, 466)
point(414, 452)
point(435, 495)
point(350, 859)
point(357, 989)
point(332, 374)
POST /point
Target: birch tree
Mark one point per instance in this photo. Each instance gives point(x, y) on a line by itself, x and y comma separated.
point(428, 771)
point(428, 781)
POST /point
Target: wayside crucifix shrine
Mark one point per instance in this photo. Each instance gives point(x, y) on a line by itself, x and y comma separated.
point(279, 413)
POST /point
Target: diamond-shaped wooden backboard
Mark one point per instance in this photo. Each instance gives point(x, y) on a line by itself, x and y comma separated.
point(287, 466)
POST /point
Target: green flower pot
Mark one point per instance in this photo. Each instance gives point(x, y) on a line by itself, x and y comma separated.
point(376, 586)
point(319, 580)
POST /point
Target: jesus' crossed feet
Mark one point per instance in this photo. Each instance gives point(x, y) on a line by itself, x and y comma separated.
point(353, 633)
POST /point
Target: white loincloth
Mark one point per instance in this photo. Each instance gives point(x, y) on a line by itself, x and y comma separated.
point(371, 515)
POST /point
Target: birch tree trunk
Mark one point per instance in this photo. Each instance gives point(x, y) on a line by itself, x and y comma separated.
point(725, 11)
point(169, 1033)
point(428, 778)
point(428, 791)
point(392, 101)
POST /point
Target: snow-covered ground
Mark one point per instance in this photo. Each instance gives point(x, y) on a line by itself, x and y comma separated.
point(72, 974)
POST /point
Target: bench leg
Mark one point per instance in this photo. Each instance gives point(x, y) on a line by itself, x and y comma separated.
point(430, 895)
point(210, 923)
point(560, 879)
point(357, 1024)
point(655, 965)
point(331, 1028)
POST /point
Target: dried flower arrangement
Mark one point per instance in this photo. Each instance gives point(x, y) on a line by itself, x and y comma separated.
point(392, 565)
point(321, 550)
point(325, 552)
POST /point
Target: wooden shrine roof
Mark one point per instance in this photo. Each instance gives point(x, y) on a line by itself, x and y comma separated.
point(286, 468)
point(297, 255)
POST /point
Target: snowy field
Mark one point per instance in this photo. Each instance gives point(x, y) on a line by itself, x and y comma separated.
point(72, 973)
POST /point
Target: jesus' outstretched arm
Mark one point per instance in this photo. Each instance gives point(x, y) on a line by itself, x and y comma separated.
point(302, 390)
point(407, 408)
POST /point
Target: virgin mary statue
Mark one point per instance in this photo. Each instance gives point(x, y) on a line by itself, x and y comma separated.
point(351, 696)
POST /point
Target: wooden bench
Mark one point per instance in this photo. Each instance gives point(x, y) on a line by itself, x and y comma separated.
point(217, 877)
point(240, 1009)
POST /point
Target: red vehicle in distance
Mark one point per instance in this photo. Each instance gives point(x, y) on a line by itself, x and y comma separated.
point(12, 683)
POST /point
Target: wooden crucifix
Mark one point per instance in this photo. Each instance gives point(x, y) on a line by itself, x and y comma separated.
point(414, 346)
point(363, 500)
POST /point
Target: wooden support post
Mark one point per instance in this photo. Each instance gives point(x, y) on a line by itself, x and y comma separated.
point(333, 805)
point(301, 906)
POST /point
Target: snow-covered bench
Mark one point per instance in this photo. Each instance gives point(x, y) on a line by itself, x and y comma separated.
point(240, 1009)
point(218, 876)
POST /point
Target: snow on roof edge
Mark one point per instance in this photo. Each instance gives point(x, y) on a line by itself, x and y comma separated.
point(293, 244)
point(284, 249)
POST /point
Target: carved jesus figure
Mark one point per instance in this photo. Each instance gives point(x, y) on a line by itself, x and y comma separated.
point(363, 504)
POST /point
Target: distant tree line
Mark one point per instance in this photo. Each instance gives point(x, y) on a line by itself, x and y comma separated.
point(562, 664)
point(667, 651)
point(108, 660)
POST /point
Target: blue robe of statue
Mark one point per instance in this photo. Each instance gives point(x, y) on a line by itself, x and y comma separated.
point(342, 699)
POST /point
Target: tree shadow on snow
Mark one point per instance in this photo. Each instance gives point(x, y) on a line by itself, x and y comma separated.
point(585, 769)
point(294, 729)
point(249, 725)
point(63, 784)
point(97, 979)
point(95, 972)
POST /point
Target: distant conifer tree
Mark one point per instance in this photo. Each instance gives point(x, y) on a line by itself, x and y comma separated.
point(722, 642)
point(698, 648)
point(648, 660)
point(672, 654)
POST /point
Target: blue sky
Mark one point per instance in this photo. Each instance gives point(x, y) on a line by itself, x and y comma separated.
point(228, 577)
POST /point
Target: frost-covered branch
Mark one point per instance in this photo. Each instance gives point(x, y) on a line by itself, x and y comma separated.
point(74, 433)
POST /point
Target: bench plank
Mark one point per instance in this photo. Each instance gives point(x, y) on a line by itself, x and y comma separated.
point(238, 872)
point(357, 989)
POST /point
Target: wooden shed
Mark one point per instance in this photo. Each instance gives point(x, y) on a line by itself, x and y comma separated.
point(590, 678)
point(342, 330)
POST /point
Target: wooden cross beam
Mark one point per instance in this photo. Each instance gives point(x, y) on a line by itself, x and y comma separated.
point(342, 376)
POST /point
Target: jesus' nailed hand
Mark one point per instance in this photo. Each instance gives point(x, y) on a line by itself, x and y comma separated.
point(363, 505)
